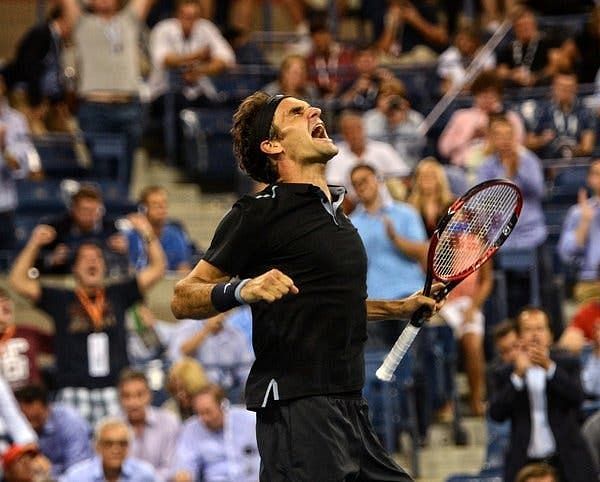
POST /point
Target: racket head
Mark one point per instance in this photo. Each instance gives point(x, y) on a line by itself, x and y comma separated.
point(472, 230)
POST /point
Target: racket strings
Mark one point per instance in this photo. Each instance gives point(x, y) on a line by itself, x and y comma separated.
point(473, 230)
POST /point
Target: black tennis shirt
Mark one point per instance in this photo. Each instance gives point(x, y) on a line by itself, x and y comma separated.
point(310, 343)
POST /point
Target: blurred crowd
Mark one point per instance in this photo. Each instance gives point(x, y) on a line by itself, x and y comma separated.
point(424, 99)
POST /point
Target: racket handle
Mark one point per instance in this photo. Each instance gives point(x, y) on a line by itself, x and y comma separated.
point(386, 371)
point(419, 316)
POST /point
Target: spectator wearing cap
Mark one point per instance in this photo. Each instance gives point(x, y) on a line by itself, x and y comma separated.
point(63, 435)
point(18, 158)
point(89, 319)
point(393, 121)
point(23, 463)
point(154, 430)
point(20, 346)
point(85, 221)
point(177, 245)
point(565, 128)
point(219, 443)
point(112, 461)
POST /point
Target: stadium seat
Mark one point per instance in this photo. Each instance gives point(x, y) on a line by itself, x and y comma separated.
point(58, 156)
point(109, 156)
point(494, 311)
point(522, 260)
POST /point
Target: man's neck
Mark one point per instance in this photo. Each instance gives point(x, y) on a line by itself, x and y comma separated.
point(358, 149)
point(112, 475)
point(566, 106)
point(157, 228)
point(292, 172)
point(374, 206)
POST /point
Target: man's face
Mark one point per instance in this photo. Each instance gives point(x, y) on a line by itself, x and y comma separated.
point(502, 137)
point(294, 77)
point(525, 28)
point(157, 207)
point(366, 62)
point(488, 101)
point(135, 398)
point(86, 213)
point(7, 313)
point(302, 133)
point(508, 346)
point(89, 267)
point(187, 14)
point(535, 329)
point(466, 44)
point(322, 41)
point(564, 89)
point(112, 446)
point(36, 413)
point(593, 178)
point(353, 132)
point(209, 411)
point(365, 184)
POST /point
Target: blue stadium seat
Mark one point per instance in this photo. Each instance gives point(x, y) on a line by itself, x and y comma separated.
point(526, 261)
point(58, 156)
point(109, 155)
point(39, 197)
point(494, 311)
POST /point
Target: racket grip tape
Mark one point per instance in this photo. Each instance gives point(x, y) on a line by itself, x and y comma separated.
point(386, 371)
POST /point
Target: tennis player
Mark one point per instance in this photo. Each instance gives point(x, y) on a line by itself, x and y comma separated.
point(291, 253)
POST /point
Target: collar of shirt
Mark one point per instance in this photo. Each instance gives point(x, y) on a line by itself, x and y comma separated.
point(51, 423)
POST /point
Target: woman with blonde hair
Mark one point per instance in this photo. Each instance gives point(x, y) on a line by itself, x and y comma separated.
point(185, 379)
point(431, 196)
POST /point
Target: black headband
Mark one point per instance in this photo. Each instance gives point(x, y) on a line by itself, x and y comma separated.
point(259, 131)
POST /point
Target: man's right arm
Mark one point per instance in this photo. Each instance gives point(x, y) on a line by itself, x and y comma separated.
point(193, 295)
point(19, 278)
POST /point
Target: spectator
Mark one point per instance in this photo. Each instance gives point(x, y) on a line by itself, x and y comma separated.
point(112, 460)
point(393, 121)
point(456, 59)
point(430, 194)
point(154, 204)
point(193, 48)
point(360, 93)
point(219, 443)
point(154, 430)
point(463, 312)
point(293, 79)
point(84, 221)
point(581, 329)
point(463, 138)
point(245, 47)
point(510, 161)
point(356, 149)
point(23, 463)
point(90, 319)
point(413, 31)
point(579, 243)
point(566, 128)
point(220, 348)
point(63, 435)
point(109, 61)
point(37, 70)
point(330, 64)
point(394, 238)
point(20, 346)
point(186, 377)
point(525, 61)
point(541, 394)
point(537, 473)
point(18, 157)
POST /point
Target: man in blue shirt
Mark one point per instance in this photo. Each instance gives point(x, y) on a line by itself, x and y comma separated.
point(579, 243)
point(63, 435)
point(219, 444)
point(111, 462)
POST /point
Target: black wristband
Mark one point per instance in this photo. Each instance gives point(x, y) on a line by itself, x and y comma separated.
point(223, 296)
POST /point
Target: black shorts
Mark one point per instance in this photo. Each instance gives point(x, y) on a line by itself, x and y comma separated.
point(322, 439)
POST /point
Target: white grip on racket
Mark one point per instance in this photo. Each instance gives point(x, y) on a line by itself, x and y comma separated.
point(386, 371)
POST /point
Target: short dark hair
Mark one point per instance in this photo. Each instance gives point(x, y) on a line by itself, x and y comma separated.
point(532, 309)
point(129, 374)
point(535, 471)
point(368, 167)
point(88, 242)
point(87, 191)
point(258, 165)
point(487, 80)
point(33, 392)
point(502, 329)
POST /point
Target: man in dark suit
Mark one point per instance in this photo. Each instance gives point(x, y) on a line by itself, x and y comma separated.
point(541, 394)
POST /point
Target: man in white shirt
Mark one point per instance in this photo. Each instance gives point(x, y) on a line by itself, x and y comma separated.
point(192, 48)
point(358, 149)
point(541, 395)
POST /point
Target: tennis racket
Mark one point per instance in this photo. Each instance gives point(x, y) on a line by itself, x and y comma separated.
point(472, 230)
